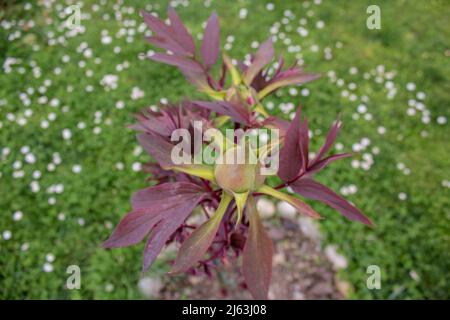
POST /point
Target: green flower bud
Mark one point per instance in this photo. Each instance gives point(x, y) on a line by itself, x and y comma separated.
point(238, 177)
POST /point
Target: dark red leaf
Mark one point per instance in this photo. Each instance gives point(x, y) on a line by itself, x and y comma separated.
point(331, 137)
point(180, 32)
point(237, 113)
point(211, 41)
point(165, 195)
point(260, 60)
point(257, 256)
point(326, 161)
point(167, 44)
point(155, 24)
point(273, 122)
point(304, 143)
point(173, 37)
point(171, 219)
point(133, 227)
point(291, 160)
point(159, 148)
point(309, 188)
point(178, 61)
point(198, 79)
point(150, 206)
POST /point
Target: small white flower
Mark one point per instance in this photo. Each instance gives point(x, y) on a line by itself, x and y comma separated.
point(243, 13)
point(18, 174)
point(137, 166)
point(411, 111)
point(30, 158)
point(356, 147)
point(120, 104)
point(106, 39)
point(402, 196)
point(109, 81)
point(17, 216)
point(119, 166)
point(59, 188)
point(270, 6)
point(48, 267)
point(50, 257)
point(66, 134)
point(7, 235)
point(25, 149)
point(421, 95)
point(109, 287)
point(97, 130)
point(352, 189)
point(44, 124)
point(375, 150)
point(362, 108)
point(137, 93)
point(410, 86)
point(34, 186)
point(25, 246)
point(17, 165)
point(441, 120)
point(355, 164)
point(76, 168)
point(365, 141)
point(37, 174)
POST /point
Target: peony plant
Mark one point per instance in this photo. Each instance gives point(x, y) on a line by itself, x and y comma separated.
point(224, 192)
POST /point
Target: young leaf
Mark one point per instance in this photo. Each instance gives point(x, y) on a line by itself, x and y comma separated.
point(211, 41)
point(240, 199)
point(311, 189)
point(195, 247)
point(235, 75)
point(198, 170)
point(257, 256)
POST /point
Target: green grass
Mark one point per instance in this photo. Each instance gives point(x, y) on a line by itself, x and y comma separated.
point(411, 236)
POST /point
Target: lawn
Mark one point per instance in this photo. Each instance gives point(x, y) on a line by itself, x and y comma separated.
point(69, 163)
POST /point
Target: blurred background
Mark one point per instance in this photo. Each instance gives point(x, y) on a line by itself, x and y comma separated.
point(68, 162)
